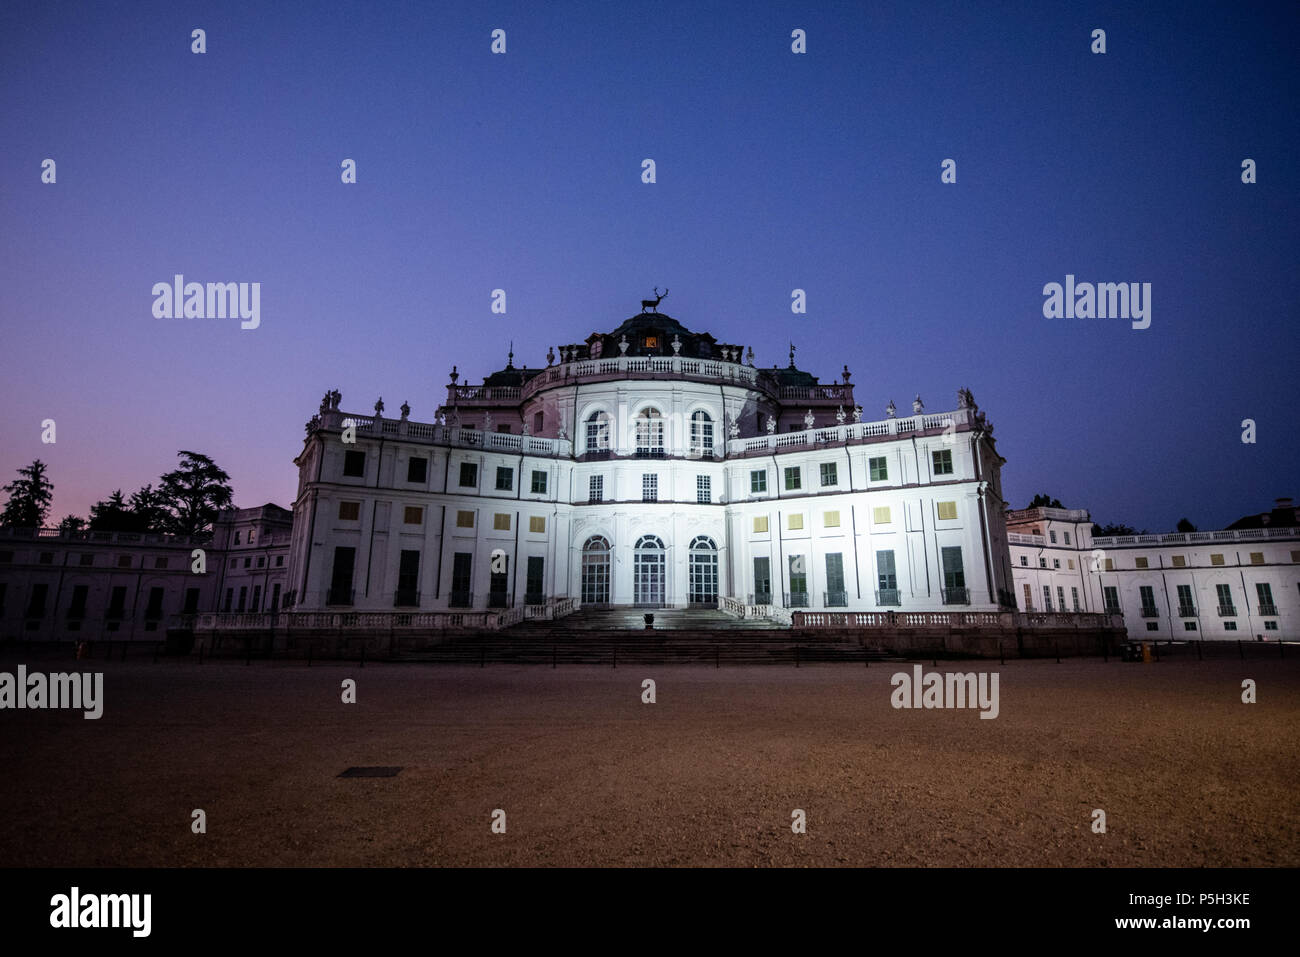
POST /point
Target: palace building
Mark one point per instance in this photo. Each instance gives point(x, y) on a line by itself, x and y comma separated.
point(650, 466)
point(655, 467)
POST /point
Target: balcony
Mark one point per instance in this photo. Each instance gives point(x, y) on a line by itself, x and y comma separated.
point(406, 598)
point(460, 599)
point(1150, 611)
point(1268, 610)
point(796, 599)
point(1186, 611)
point(956, 596)
point(889, 596)
point(656, 452)
point(500, 599)
point(835, 599)
point(1112, 610)
point(338, 596)
point(1227, 611)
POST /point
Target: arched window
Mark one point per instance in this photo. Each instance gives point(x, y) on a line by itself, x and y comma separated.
point(598, 432)
point(595, 571)
point(702, 434)
point(650, 435)
point(703, 572)
point(648, 572)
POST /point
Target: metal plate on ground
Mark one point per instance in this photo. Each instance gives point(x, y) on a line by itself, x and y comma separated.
point(370, 773)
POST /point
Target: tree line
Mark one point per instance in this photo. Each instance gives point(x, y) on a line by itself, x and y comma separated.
point(185, 501)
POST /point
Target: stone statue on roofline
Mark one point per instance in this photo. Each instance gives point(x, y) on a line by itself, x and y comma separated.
point(808, 420)
point(771, 424)
point(917, 405)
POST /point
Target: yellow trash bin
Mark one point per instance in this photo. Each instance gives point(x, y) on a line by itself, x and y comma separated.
point(1146, 652)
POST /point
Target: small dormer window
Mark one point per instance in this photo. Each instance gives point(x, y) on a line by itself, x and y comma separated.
point(595, 349)
point(652, 342)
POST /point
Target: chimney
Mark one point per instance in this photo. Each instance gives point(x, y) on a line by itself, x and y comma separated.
point(1282, 503)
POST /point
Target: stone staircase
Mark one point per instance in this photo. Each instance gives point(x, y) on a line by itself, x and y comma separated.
point(613, 636)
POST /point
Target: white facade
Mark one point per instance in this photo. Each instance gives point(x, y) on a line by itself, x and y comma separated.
point(1227, 584)
point(635, 476)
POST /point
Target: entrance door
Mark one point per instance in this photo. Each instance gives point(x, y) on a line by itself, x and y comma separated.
point(595, 571)
point(703, 572)
point(648, 569)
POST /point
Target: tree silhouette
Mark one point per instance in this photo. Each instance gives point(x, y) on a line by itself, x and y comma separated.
point(194, 494)
point(1045, 501)
point(29, 498)
point(1185, 526)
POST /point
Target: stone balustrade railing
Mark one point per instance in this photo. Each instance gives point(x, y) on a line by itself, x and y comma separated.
point(1188, 538)
point(850, 432)
point(1006, 620)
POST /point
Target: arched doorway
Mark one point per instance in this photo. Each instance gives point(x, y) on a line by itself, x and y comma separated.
point(703, 572)
point(595, 571)
point(649, 562)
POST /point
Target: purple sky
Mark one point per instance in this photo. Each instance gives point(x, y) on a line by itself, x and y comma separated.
point(775, 171)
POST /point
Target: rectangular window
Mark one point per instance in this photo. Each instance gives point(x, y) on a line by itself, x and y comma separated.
point(830, 474)
point(1060, 597)
point(275, 598)
point(947, 511)
point(1270, 626)
point(1180, 561)
point(835, 594)
point(341, 577)
point(880, 515)
point(192, 600)
point(793, 480)
point(879, 470)
point(1052, 537)
point(831, 519)
point(408, 578)
point(649, 488)
point(1029, 598)
point(123, 561)
point(1110, 564)
point(762, 577)
point(230, 598)
point(1140, 562)
point(46, 558)
point(1024, 560)
point(417, 469)
point(256, 606)
point(758, 481)
point(1074, 597)
point(354, 464)
point(1216, 559)
point(942, 462)
point(501, 521)
point(248, 562)
point(261, 561)
point(539, 482)
point(78, 607)
point(794, 522)
point(87, 558)
point(1067, 538)
point(349, 511)
point(1224, 593)
point(1186, 607)
point(703, 489)
point(798, 581)
point(539, 422)
point(1189, 626)
point(468, 475)
point(596, 488)
point(1042, 563)
point(1047, 598)
point(238, 536)
point(505, 479)
point(243, 598)
point(534, 586)
point(1148, 596)
point(413, 515)
point(1265, 593)
point(279, 561)
point(887, 577)
point(1295, 556)
point(1071, 562)
point(1257, 558)
point(1229, 626)
point(36, 601)
point(464, 519)
point(760, 524)
point(461, 571)
point(1110, 597)
point(537, 523)
point(954, 575)
point(160, 562)
point(1056, 563)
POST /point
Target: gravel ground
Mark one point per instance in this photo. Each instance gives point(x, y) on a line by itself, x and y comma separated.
point(588, 775)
